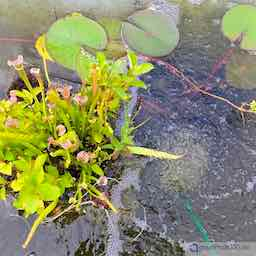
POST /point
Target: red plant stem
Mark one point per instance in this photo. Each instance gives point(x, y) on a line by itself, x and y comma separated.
point(224, 59)
point(173, 70)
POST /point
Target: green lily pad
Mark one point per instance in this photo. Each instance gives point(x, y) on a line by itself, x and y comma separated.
point(241, 71)
point(67, 36)
point(150, 33)
point(115, 48)
point(241, 21)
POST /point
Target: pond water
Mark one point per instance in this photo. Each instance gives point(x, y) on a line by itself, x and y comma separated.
point(216, 177)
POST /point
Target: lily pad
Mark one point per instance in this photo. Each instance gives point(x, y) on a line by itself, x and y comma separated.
point(115, 48)
point(67, 36)
point(241, 71)
point(150, 33)
point(241, 21)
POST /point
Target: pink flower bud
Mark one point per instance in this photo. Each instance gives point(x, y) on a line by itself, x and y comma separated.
point(84, 156)
point(103, 181)
point(17, 62)
point(13, 93)
point(80, 100)
point(65, 91)
point(51, 141)
point(11, 123)
point(67, 144)
point(51, 106)
point(61, 129)
point(13, 99)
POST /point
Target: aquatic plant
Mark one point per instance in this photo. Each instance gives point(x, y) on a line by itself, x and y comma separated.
point(239, 23)
point(56, 140)
point(150, 33)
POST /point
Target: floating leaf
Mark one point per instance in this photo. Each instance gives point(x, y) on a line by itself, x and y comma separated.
point(115, 47)
point(150, 33)
point(67, 36)
point(112, 27)
point(241, 71)
point(241, 21)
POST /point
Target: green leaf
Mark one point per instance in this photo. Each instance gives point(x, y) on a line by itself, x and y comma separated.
point(65, 181)
point(119, 67)
point(83, 65)
point(133, 59)
point(48, 192)
point(138, 83)
point(53, 171)
point(142, 69)
point(121, 93)
point(37, 172)
point(97, 136)
point(9, 156)
point(18, 184)
point(150, 33)
point(241, 21)
point(2, 194)
point(6, 168)
point(29, 202)
point(101, 58)
point(107, 146)
point(116, 144)
point(96, 169)
point(22, 165)
point(67, 36)
point(2, 181)
point(25, 95)
point(153, 153)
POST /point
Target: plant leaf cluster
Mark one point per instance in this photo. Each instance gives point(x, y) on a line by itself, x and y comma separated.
point(55, 139)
